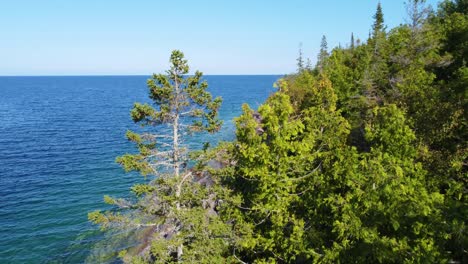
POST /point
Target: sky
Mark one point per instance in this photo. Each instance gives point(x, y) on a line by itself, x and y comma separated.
point(123, 37)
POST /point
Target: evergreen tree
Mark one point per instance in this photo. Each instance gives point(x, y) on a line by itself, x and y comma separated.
point(300, 59)
point(375, 84)
point(276, 157)
point(323, 54)
point(377, 202)
point(309, 65)
point(377, 38)
point(378, 26)
point(342, 74)
point(176, 207)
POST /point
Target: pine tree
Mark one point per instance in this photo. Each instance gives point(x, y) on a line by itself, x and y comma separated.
point(378, 26)
point(376, 81)
point(323, 54)
point(352, 41)
point(173, 204)
point(300, 59)
point(308, 65)
point(377, 39)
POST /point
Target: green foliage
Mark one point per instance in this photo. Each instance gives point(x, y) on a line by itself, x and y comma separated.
point(388, 132)
point(311, 197)
point(176, 95)
point(378, 25)
point(323, 54)
point(272, 172)
point(360, 160)
point(305, 90)
point(343, 72)
point(175, 211)
point(400, 197)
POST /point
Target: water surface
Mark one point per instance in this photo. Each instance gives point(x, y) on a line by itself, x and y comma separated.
point(59, 137)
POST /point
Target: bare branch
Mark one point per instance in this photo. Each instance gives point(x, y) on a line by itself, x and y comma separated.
point(305, 176)
point(234, 254)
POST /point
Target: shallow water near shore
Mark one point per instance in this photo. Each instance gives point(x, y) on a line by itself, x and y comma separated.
point(59, 137)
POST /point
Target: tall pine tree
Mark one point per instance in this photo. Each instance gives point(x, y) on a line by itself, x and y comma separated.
point(177, 209)
point(323, 54)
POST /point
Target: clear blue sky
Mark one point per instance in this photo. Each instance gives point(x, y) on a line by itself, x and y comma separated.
point(92, 37)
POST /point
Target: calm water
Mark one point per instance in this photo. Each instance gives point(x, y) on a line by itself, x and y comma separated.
point(59, 137)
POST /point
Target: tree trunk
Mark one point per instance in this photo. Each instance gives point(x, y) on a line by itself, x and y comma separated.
point(175, 157)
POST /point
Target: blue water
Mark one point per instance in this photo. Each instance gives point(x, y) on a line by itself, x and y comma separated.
point(59, 137)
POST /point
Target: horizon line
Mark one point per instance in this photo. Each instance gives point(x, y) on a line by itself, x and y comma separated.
point(116, 75)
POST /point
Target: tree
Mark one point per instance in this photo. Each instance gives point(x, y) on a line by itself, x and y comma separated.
point(377, 203)
point(309, 65)
point(174, 205)
point(415, 60)
point(300, 59)
point(277, 158)
point(323, 54)
point(309, 197)
point(378, 26)
point(376, 82)
point(378, 32)
point(417, 13)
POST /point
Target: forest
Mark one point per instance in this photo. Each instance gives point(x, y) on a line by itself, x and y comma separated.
point(361, 158)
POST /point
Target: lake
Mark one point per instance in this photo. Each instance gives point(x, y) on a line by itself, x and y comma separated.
point(59, 137)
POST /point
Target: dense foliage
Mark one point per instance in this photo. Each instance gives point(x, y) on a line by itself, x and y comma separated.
point(362, 159)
